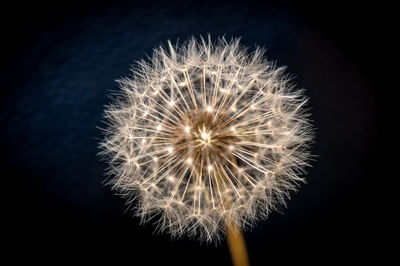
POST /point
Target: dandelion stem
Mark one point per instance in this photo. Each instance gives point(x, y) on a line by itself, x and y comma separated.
point(237, 245)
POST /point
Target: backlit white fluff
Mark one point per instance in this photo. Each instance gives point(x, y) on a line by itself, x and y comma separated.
point(204, 135)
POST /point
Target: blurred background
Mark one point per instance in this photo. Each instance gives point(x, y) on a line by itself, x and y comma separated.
point(59, 63)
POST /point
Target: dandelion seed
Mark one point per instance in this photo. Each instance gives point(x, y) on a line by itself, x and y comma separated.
point(171, 179)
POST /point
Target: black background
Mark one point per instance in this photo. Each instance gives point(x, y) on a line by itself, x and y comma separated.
point(60, 62)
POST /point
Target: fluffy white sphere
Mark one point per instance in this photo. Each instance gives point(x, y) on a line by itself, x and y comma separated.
point(204, 135)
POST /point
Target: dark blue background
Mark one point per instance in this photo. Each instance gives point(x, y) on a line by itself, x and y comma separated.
point(60, 62)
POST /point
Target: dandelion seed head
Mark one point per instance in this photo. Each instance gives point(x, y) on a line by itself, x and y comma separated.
point(217, 135)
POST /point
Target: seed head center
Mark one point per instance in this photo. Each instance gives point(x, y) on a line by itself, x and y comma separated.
point(205, 138)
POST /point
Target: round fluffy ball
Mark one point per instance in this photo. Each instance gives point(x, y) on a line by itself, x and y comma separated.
point(206, 134)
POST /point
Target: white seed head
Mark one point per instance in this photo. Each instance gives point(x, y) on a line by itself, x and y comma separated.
point(217, 135)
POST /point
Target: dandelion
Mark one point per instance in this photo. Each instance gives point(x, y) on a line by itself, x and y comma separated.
point(206, 136)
